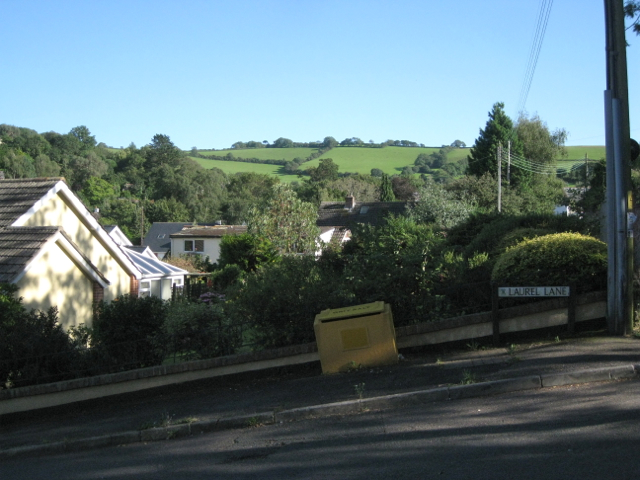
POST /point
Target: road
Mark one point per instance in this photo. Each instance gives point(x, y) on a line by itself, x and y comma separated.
point(584, 432)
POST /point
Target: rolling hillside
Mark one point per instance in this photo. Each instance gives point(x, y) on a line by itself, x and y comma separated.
point(390, 160)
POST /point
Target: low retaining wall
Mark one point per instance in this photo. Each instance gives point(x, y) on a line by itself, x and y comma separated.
point(527, 317)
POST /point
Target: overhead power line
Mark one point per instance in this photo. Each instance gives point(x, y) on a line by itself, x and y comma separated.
point(541, 27)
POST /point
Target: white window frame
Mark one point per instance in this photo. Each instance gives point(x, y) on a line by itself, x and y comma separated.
point(193, 246)
point(144, 289)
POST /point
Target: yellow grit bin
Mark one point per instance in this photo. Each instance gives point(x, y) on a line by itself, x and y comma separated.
point(352, 336)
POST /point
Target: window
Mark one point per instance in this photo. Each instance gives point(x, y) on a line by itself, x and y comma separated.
point(194, 245)
point(145, 289)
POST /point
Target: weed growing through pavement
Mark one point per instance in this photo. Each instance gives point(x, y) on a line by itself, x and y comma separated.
point(354, 367)
point(468, 378)
point(253, 422)
point(165, 421)
point(359, 390)
point(473, 345)
point(185, 421)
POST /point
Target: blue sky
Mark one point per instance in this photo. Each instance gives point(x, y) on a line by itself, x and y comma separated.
point(210, 73)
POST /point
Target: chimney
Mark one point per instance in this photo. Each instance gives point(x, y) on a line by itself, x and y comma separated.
point(1, 175)
point(350, 202)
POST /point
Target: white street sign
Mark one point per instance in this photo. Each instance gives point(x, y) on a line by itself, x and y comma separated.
point(533, 291)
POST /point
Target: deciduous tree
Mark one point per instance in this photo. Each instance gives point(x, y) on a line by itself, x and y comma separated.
point(286, 221)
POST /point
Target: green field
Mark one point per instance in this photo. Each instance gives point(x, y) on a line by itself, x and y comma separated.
point(390, 160)
point(264, 153)
point(236, 167)
point(594, 152)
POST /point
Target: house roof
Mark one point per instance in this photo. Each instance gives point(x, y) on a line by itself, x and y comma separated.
point(150, 266)
point(157, 238)
point(20, 246)
point(336, 214)
point(21, 198)
point(18, 196)
point(215, 231)
point(118, 235)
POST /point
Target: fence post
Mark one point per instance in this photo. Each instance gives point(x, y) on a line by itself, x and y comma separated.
point(571, 311)
point(495, 314)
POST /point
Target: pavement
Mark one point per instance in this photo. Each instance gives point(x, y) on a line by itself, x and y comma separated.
point(422, 376)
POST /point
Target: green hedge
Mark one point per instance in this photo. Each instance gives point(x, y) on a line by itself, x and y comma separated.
point(556, 259)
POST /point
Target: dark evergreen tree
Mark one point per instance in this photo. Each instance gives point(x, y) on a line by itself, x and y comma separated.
point(386, 190)
point(498, 131)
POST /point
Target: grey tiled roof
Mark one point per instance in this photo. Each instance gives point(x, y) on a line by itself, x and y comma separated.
point(157, 238)
point(215, 231)
point(18, 196)
point(18, 245)
point(336, 215)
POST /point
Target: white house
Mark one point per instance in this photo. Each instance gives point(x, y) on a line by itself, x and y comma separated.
point(202, 240)
point(157, 277)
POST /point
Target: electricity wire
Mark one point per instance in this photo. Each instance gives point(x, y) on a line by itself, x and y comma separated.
point(541, 27)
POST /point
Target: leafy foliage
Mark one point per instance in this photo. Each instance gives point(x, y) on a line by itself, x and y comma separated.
point(128, 330)
point(33, 346)
point(498, 130)
point(286, 221)
point(199, 330)
point(246, 251)
point(440, 207)
point(556, 259)
point(281, 300)
point(386, 190)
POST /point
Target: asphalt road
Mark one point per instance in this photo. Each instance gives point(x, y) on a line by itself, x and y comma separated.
point(590, 431)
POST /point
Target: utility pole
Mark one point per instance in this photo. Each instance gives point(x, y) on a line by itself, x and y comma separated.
point(141, 225)
point(619, 198)
point(509, 162)
point(586, 171)
point(499, 178)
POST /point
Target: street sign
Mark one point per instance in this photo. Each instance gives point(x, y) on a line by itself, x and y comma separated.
point(533, 291)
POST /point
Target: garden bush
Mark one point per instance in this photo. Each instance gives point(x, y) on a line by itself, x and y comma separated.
point(197, 330)
point(34, 348)
point(280, 300)
point(128, 332)
point(555, 260)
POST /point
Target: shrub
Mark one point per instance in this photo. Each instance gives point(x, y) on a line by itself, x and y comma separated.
point(556, 259)
point(199, 330)
point(129, 331)
point(247, 251)
point(495, 230)
point(225, 277)
point(33, 346)
point(280, 300)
